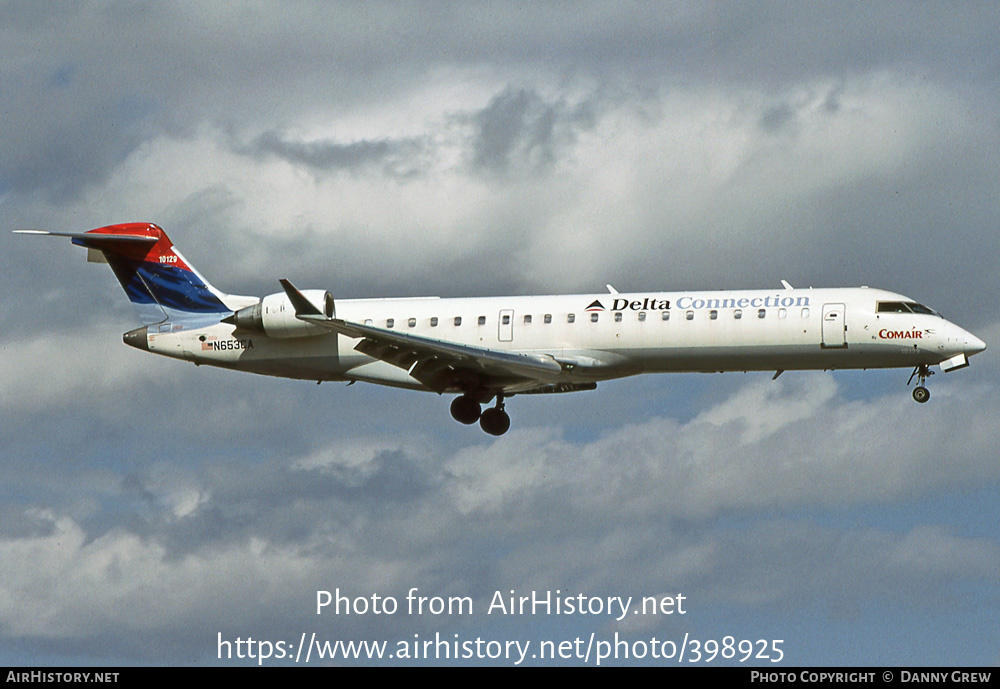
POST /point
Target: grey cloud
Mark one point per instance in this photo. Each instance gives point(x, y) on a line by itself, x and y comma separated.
point(82, 109)
point(777, 117)
point(78, 148)
point(520, 131)
point(393, 157)
point(720, 463)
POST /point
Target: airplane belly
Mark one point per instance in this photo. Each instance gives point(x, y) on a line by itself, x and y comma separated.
point(777, 357)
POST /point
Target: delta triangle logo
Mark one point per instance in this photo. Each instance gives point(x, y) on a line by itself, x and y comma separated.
point(596, 305)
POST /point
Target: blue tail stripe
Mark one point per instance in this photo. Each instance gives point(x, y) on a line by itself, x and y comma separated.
point(168, 286)
point(125, 271)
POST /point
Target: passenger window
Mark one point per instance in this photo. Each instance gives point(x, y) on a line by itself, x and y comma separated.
point(618, 316)
point(761, 313)
point(458, 320)
point(805, 313)
point(368, 321)
point(642, 315)
point(689, 315)
point(593, 317)
point(782, 313)
point(548, 318)
point(666, 315)
point(571, 318)
point(412, 322)
point(390, 322)
point(434, 322)
point(482, 320)
point(738, 314)
point(713, 314)
point(527, 319)
point(506, 319)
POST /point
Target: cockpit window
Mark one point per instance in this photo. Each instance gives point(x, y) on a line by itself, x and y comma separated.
point(904, 307)
point(920, 308)
point(892, 307)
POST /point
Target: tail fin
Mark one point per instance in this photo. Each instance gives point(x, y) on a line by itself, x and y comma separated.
point(159, 282)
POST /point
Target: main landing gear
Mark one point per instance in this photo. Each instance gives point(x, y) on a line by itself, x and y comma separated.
point(467, 410)
point(921, 393)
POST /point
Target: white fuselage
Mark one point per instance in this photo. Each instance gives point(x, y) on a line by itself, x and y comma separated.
point(603, 336)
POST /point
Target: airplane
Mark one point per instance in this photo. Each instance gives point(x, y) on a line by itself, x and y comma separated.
point(493, 348)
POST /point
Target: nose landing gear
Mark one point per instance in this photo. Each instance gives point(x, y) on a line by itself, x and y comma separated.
point(921, 393)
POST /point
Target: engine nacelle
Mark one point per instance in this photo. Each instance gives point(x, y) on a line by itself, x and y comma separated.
point(274, 315)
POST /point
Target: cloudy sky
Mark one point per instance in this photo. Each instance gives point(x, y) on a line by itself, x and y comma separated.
point(457, 149)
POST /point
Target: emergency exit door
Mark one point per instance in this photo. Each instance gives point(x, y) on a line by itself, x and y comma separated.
point(507, 325)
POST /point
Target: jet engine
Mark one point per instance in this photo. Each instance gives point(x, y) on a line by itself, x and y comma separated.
point(274, 315)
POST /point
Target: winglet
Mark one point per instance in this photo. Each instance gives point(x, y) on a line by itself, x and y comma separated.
point(785, 284)
point(303, 307)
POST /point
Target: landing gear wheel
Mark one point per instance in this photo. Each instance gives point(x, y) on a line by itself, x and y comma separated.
point(494, 421)
point(465, 410)
point(921, 373)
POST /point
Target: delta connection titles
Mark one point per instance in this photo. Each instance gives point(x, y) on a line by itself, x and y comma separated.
point(501, 603)
point(657, 303)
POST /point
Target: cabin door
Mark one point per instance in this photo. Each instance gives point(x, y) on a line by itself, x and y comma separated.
point(834, 326)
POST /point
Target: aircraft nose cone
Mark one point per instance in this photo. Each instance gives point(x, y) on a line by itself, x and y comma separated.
point(137, 338)
point(974, 345)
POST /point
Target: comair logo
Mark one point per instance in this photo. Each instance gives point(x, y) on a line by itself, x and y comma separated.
point(885, 334)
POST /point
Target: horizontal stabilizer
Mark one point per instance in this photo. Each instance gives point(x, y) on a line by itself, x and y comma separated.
point(98, 241)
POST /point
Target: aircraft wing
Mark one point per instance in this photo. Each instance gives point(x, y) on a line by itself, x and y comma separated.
point(435, 363)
